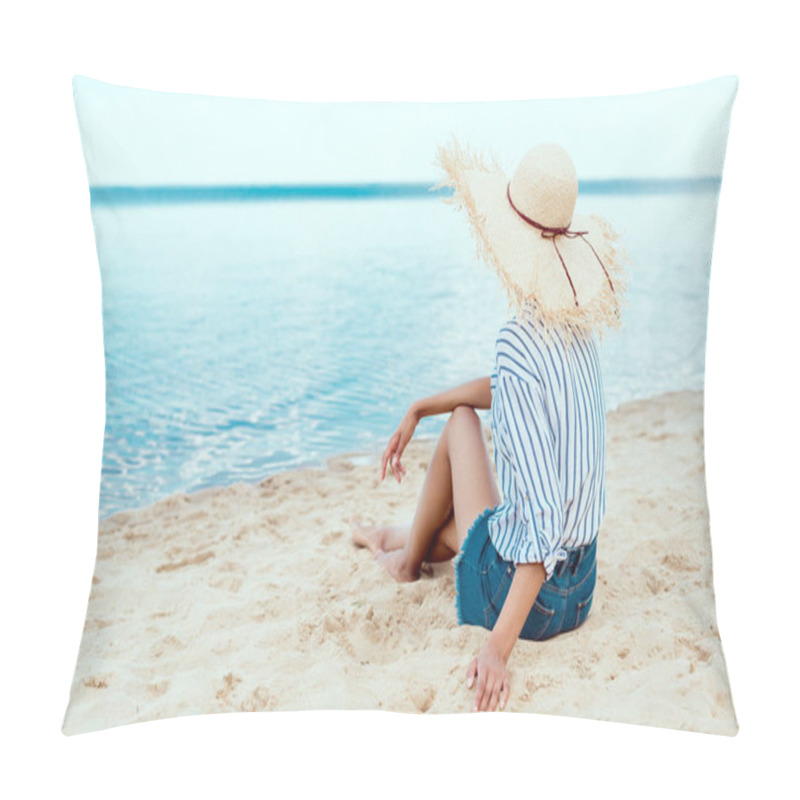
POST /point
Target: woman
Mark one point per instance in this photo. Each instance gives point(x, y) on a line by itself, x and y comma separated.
point(526, 550)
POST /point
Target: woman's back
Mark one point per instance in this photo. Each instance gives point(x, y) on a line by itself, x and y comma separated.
point(549, 429)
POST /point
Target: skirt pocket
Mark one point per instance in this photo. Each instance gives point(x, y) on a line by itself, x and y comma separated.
point(469, 594)
point(543, 621)
point(544, 618)
point(584, 594)
point(496, 583)
point(582, 610)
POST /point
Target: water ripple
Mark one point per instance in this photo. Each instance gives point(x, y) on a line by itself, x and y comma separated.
point(245, 339)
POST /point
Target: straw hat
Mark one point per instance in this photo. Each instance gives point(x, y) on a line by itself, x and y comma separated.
point(557, 267)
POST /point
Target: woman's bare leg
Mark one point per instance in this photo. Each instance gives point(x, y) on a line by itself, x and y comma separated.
point(394, 537)
point(376, 537)
point(459, 480)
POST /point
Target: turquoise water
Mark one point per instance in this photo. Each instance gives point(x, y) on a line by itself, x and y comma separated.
point(137, 195)
point(243, 338)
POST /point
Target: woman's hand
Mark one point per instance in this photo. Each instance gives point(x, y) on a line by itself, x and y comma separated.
point(490, 666)
point(493, 680)
point(397, 444)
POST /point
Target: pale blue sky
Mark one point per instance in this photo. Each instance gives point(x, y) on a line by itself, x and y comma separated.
point(141, 137)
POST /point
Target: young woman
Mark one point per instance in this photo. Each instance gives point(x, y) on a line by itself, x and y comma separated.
point(525, 551)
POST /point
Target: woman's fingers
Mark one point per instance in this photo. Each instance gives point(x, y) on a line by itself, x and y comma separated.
point(472, 671)
point(385, 459)
point(479, 689)
point(495, 698)
point(389, 454)
point(504, 691)
point(394, 451)
point(392, 454)
point(397, 466)
point(491, 690)
point(486, 695)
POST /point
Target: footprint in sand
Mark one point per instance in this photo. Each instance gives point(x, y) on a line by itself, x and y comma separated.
point(168, 644)
point(583, 668)
point(244, 532)
point(653, 582)
point(158, 688)
point(304, 633)
point(259, 700)
point(700, 652)
point(334, 623)
point(229, 684)
point(186, 562)
point(423, 698)
point(333, 536)
point(228, 583)
point(97, 624)
point(679, 562)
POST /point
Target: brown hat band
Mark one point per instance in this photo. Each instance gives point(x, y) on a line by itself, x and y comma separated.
point(552, 233)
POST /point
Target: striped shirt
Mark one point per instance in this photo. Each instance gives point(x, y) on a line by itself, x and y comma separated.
point(549, 432)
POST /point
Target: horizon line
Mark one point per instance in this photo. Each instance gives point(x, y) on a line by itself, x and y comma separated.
point(188, 193)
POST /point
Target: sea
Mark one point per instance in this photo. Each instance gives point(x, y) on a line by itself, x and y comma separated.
point(248, 333)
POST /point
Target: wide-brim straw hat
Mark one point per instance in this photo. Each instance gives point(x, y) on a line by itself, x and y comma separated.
point(557, 267)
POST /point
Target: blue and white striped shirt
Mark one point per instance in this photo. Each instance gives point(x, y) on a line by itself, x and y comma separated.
point(549, 433)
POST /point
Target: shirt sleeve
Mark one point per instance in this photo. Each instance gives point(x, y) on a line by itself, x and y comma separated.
point(535, 471)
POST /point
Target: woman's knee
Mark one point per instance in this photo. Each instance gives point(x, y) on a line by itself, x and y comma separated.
point(463, 419)
point(463, 414)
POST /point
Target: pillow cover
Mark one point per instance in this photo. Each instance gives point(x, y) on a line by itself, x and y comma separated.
point(280, 282)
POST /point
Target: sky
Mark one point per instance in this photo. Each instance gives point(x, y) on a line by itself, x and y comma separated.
point(137, 137)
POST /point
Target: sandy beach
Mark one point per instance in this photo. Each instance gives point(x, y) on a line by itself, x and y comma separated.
point(254, 598)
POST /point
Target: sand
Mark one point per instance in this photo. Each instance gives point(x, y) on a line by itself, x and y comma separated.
point(254, 598)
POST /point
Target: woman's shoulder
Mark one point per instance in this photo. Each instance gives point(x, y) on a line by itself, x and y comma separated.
point(520, 335)
point(514, 328)
point(509, 336)
point(537, 338)
point(516, 350)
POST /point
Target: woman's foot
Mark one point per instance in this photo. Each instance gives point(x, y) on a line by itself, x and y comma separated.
point(396, 565)
point(387, 538)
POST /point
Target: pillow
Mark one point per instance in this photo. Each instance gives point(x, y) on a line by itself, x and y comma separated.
point(282, 282)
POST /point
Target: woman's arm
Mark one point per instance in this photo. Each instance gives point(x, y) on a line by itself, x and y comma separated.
point(477, 394)
point(524, 589)
point(490, 665)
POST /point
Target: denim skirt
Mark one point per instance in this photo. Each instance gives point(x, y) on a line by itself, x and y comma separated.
point(483, 578)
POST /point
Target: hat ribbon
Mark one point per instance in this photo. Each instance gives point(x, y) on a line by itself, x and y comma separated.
point(552, 233)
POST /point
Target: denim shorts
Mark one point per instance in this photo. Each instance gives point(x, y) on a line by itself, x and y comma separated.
point(483, 578)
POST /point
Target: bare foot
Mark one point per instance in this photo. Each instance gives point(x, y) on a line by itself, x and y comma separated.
point(395, 564)
point(375, 538)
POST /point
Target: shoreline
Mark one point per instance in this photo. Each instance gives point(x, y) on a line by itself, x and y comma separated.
point(218, 600)
point(354, 457)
